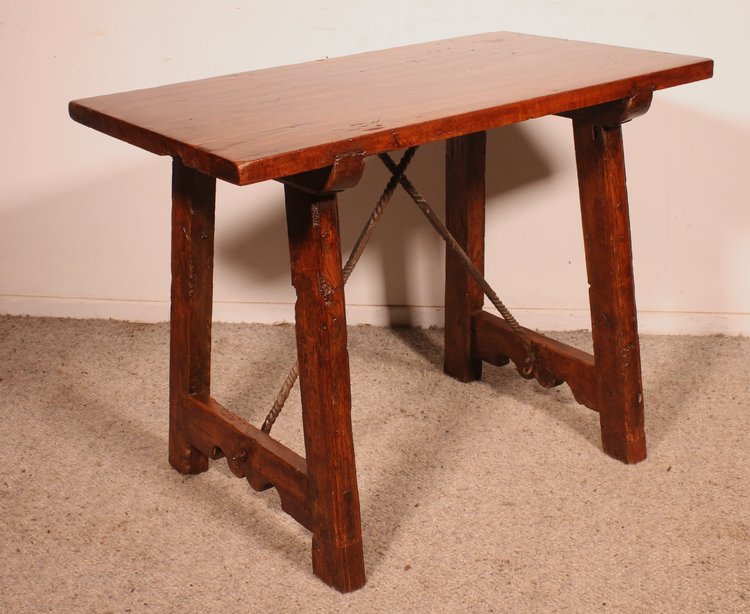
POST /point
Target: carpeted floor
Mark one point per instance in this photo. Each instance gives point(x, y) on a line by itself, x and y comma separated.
point(484, 497)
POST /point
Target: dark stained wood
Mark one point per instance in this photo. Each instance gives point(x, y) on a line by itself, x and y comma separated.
point(250, 454)
point(464, 218)
point(271, 123)
point(314, 246)
point(606, 233)
point(193, 200)
point(556, 362)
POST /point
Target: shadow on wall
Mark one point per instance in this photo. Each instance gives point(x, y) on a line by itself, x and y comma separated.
point(106, 237)
point(513, 161)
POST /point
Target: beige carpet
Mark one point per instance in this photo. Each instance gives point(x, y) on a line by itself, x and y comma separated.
point(487, 497)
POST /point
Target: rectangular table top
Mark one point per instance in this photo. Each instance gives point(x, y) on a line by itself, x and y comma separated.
point(265, 124)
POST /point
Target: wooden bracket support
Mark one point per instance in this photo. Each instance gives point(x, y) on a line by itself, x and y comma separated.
point(345, 172)
point(610, 114)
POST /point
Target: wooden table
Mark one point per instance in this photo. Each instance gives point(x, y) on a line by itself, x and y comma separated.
point(311, 126)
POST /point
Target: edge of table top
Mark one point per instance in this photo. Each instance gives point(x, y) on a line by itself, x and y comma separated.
point(373, 139)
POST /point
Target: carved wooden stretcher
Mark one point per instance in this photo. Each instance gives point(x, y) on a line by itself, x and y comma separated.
point(312, 126)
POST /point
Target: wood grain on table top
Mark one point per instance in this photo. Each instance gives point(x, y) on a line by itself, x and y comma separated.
point(259, 125)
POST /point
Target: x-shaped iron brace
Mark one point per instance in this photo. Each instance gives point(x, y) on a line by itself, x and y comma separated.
point(398, 176)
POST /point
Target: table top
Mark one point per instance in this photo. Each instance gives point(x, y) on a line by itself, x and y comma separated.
point(264, 124)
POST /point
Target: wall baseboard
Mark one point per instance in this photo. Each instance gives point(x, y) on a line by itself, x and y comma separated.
point(649, 322)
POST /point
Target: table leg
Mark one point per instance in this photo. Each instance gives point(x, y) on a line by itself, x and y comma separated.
point(464, 218)
point(193, 200)
point(315, 250)
point(606, 232)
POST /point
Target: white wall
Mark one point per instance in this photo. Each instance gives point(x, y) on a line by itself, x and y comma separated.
point(84, 219)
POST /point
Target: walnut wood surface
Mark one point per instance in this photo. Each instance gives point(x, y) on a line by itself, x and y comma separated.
point(264, 124)
point(345, 172)
point(464, 218)
point(250, 454)
point(193, 208)
point(609, 265)
point(615, 112)
point(311, 126)
point(315, 250)
point(556, 362)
